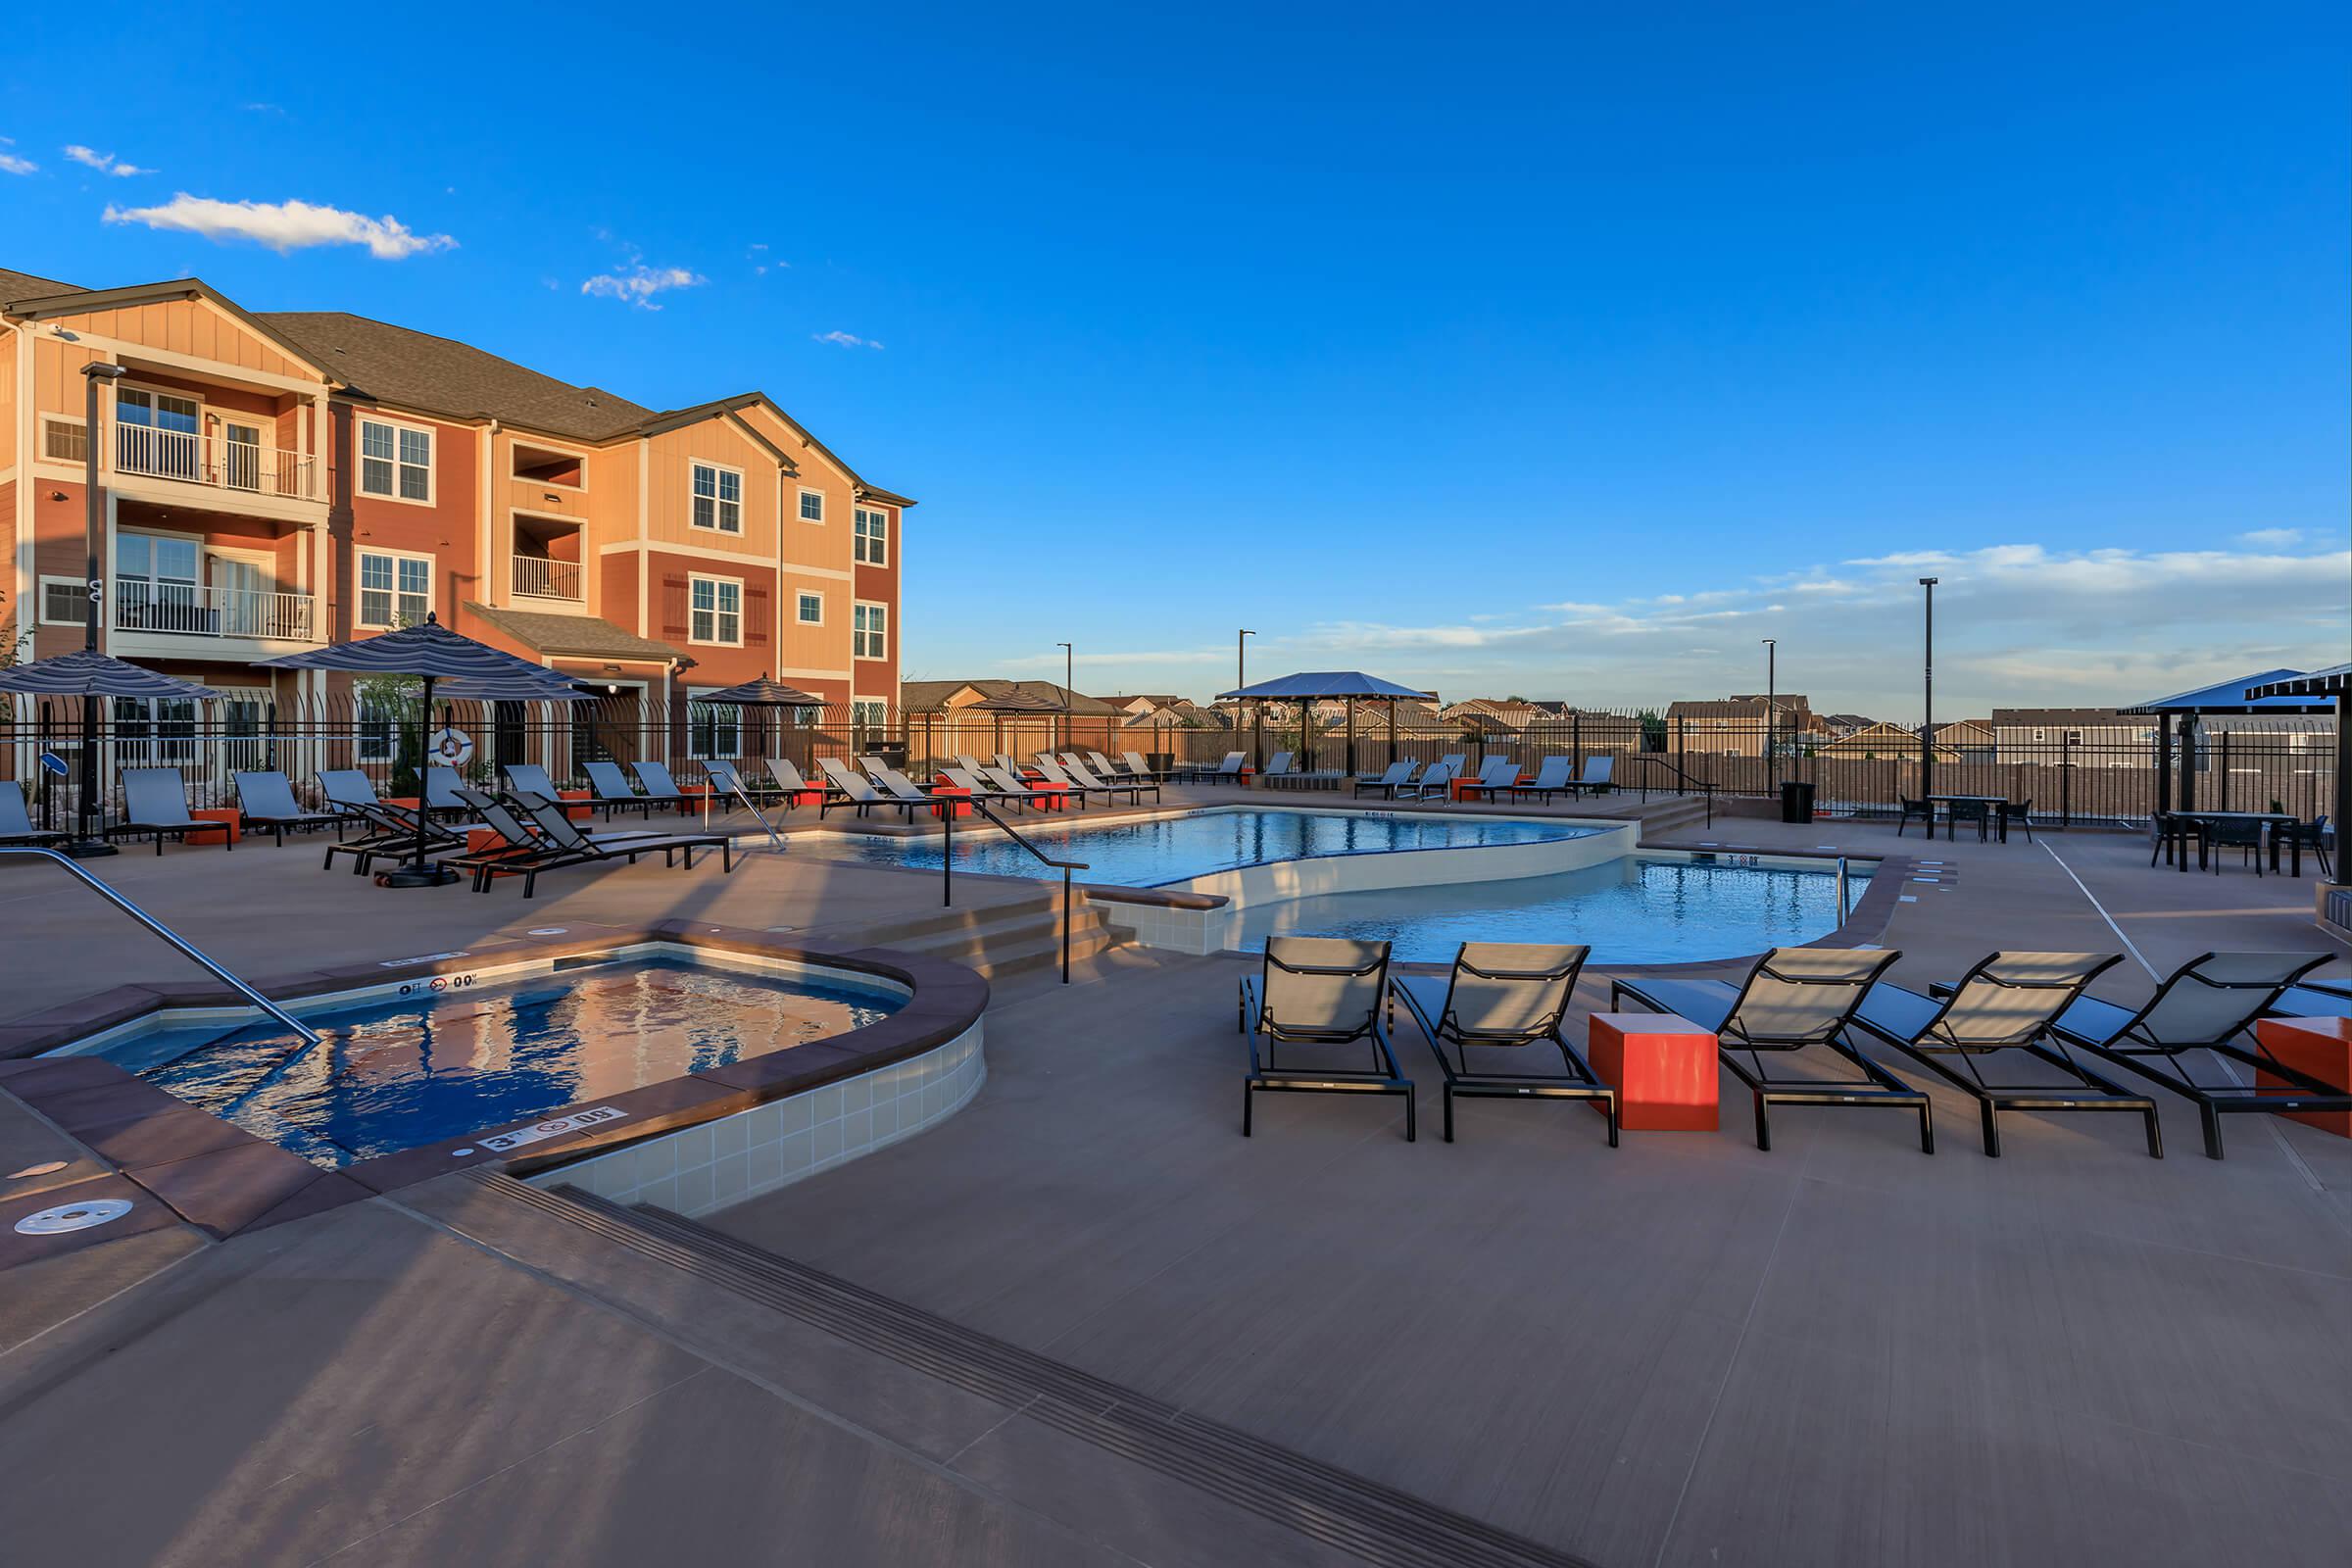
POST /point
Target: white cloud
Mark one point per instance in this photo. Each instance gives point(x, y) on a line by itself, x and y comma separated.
point(846, 340)
point(2272, 538)
point(284, 226)
point(10, 163)
point(637, 283)
point(104, 162)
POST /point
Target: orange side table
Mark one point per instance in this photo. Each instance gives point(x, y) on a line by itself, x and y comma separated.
point(962, 808)
point(581, 812)
point(1662, 1067)
point(1049, 796)
point(231, 822)
point(2319, 1047)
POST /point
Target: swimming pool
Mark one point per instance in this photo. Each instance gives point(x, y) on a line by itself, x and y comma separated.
point(1155, 852)
point(451, 1058)
point(1640, 909)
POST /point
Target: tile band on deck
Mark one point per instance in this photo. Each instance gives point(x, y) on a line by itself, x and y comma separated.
point(1349, 1512)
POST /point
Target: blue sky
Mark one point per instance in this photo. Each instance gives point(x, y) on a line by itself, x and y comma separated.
point(1550, 350)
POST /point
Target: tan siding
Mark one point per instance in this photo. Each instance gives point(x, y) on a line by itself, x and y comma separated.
point(668, 497)
point(187, 326)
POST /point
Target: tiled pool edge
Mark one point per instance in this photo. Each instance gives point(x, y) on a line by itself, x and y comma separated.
point(711, 1165)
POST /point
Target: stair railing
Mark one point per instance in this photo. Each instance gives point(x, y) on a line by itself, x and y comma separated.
point(946, 858)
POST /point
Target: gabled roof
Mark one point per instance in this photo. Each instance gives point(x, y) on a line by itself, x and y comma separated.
point(23, 295)
point(15, 286)
point(919, 696)
point(574, 636)
point(419, 370)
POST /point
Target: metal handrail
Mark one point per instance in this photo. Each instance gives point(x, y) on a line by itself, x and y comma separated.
point(309, 1035)
point(947, 860)
point(1706, 786)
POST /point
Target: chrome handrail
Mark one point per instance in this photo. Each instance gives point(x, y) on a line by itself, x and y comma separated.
point(309, 1035)
point(947, 860)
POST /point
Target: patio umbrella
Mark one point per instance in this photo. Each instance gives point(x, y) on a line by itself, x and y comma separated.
point(431, 652)
point(1332, 685)
point(90, 675)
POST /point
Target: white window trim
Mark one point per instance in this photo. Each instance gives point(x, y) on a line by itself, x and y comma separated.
point(40, 603)
point(359, 595)
point(714, 580)
point(359, 460)
point(888, 631)
point(884, 518)
point(798, 594)
point(817, 522)
point(741, 499)
point(697, 696)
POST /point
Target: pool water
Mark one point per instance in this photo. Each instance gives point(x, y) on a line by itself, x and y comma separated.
point(394, 1075)
point(1151, 853)
point(1638, 909)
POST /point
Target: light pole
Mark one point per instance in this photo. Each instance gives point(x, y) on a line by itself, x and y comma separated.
point(1240, 678)
point(91, 844)
point(1772, 712)
point(1927, 718)
point(1069, 666)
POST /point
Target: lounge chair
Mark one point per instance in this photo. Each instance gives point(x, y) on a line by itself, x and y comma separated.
point(1436, 779)
point(15, 823)
point(1228, 772)
point(2008, 1001)
point(725, 780)
point(2207, 1003)
point(1055, 774)
point(441, 786)
point(1387, 782)
point(1136, 767)
point(852, 791)
point(1494, 774)
point(1104, 767)
point(265, 800)
point(1132, 788)
point(897, 785)
point(392, 832)
point(1009, 785)
point(2315, 999)
point(1557, 775)
point(788, 778)
point(980, 788)
point(1504, 996)
point(1278, 771)
point(1599, 777)
point(1793, 999)
point(530, 778)
point(660, 786)
point(552, 842)
point(613, 791)
point(1319, 991)
point(155, 800)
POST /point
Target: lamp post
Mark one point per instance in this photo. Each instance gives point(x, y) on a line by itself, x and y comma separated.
point(92, 843)
point(1069, 666)
point(1772, 712)
point(1240, 678)
point(1927, 718)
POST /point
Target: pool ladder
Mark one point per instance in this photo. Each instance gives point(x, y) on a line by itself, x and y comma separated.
point(308, 1035)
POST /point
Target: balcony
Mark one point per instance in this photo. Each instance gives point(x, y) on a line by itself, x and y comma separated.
point(187, 610)
point(539, 578)
point(219, 463)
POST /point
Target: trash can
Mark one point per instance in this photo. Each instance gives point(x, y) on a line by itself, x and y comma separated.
point(893, 753)
point(1160, 761)
point(1797, 802)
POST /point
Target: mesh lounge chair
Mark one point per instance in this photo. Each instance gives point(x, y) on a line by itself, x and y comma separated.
point(660, 786)
point(1387, 781)
point(897, 785)
point(1793, 999)
point(1599, 777)
point(1318, 991)
point(1228, 772)
point(856, 793)
point(1504, 996)
point(1437, 779)
point(981, 789)
point(1009, 785)
point(1557, 775)
point(2006, 1003)
point(441, 793)
point(1111, 787)
point(1279, 771)
point(614, 793)
point(1136, 767)
point(2315, 998)
point(1079, 791)
point(1494, 774)
point(1103, 768)
point(155, 800)
point(2207, 1003)
point(15, 823)
point(552, 841)
point(788, 779)
point(732, 785)
point(266, 800)
point(391, 831)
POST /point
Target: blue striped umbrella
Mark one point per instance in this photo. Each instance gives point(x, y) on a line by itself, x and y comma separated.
point(91, 674)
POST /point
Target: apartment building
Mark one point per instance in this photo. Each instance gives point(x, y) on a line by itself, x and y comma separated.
point(1734, 726)
point(274, 480)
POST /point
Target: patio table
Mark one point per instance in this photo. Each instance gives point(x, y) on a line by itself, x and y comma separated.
point(2203, 820)
point(1992, 804)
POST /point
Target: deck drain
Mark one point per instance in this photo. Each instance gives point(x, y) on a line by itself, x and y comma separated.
point(72, 1217)
point(50, 1168)
point(548, 930)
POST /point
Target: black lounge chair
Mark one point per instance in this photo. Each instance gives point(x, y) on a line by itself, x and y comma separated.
point(2207, 1003)
point(1600, 776)
point(2008, 1001)
point(391, 834)
point(1494, 775)
point(614, 793)
point(155, 800)
point(1011, 786)
point(1504, 996)
point(553, 841)
point(1397, 777)
point(850, 790)
point(1319, 991)
point(1554, 775)
point(1111, 787)
point(1793, 999)
point(15, 823)
point(265, 800)
point(1436, 779)
point(441, 786)
point(788, 779)
point(1228, 772)
point(1053, 773)
point(660, 786)
point(2315, 999)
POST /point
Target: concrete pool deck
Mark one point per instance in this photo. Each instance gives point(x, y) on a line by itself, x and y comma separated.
point(1681, 1352)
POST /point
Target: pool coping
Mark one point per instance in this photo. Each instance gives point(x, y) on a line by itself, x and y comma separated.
point(223, 1180)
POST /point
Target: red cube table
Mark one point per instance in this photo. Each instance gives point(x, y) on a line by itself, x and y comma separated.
point(2318, 1048)
point(962, 807)
point(229, 819)
point(585, 810)
point(1662, 1067)
point(1049, 796)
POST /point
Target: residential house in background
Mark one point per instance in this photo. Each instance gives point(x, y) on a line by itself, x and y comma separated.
point(2087, 737)
point(1736, 726)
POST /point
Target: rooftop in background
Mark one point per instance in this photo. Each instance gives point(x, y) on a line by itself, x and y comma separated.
point(931, 696)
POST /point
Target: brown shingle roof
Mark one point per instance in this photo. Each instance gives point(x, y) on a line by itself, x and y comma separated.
point(572, 636)
point(15, 286)
point(920, 695)
point(419, 370)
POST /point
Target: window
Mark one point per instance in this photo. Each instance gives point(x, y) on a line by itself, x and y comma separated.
point(64, 602)
point(64, 441)
point(869, 712)
point(156, 583)
point(712, 729)
point(396, 461)
point(812, 506)
point(870, 631)
point(717, 498)
point(155, 731)
point(717, 611)
point(812, 609)
point(379, 729)
point(394, 590)
point(873, 537)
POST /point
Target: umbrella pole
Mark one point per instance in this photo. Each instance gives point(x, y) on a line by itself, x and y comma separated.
point(92, 843)
point(417, 873)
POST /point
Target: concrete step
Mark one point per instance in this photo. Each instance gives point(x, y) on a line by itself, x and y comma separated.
point(1012, 940)
point(905, 930)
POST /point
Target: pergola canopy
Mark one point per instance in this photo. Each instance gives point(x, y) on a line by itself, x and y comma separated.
point(1326, 685)
point(2334, 681)
point(2250, 693)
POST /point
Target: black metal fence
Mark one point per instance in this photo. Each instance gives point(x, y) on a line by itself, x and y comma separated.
point(2107, 778)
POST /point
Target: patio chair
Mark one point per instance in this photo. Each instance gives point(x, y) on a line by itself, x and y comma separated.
point(728, 781)
point(613, 791)
point(1318, 991)
point(1923, 810)
point(2312, 836)
point(155, 800)
point(1793, 999)
point(2245, 837)
point(979, 788)
point(2315, 999)
point(1555, 775)
point(1436, 779)
point(15, 823)
point(1053, 773)
point(787, 777)
point(1133, 788)
point(1228, 772)
point(440, 793)
point(552, 841)
point(660, 786)
point(2017, 813)
point(1504, 996)
point(1136, 767)
point(897, 785)
point(1387, 781)
point(1956, 812)
point(1600, 776)
point(2007, 1002)
point(850, 790)
point(2207, 1003)
point(392, 830)
point(530, 778)
point(265, 800)
point(1009, 785)
point(1494, 774)
point(1103, 768)
point(1279, 771)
